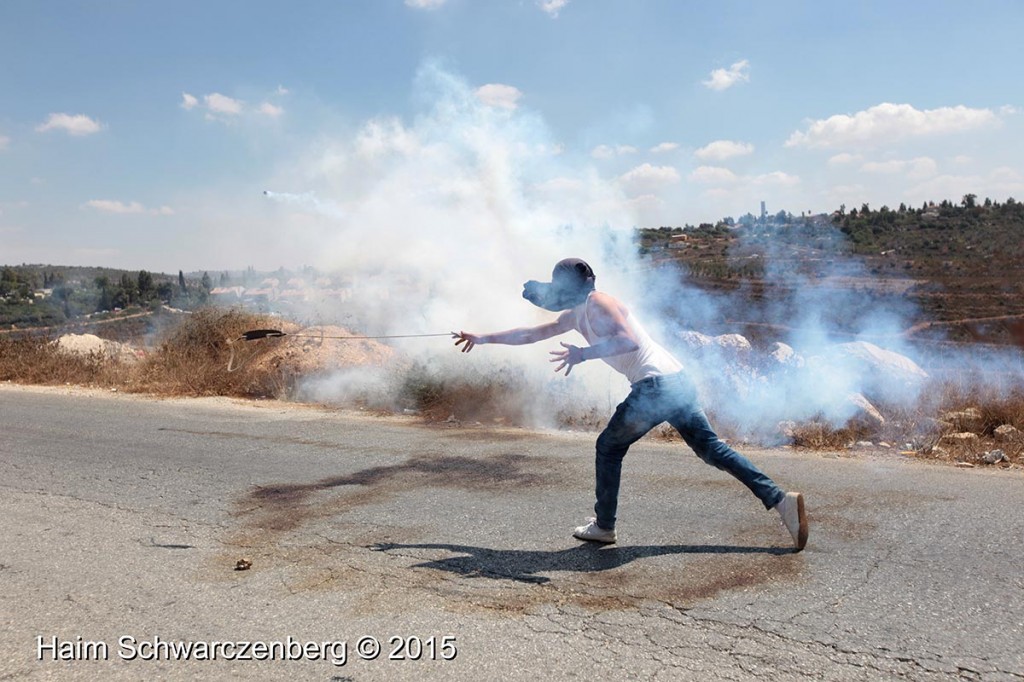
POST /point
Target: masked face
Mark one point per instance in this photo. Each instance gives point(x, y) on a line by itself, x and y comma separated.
point(571, 282)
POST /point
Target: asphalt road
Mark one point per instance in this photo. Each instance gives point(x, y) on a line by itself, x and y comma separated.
point(122, 519)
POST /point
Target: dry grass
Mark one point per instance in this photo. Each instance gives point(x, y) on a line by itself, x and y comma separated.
point(930, 429)
point(193, 359)
point(38, 360)
point(437, 396)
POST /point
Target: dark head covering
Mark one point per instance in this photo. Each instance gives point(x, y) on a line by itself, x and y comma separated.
point(572, 280)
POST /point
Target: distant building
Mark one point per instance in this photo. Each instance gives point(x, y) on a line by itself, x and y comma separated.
point(764, 211)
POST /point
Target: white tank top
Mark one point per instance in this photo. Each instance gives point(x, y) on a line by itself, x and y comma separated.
point(649, 360)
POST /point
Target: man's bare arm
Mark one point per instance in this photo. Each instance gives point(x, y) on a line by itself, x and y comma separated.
point(516, 337)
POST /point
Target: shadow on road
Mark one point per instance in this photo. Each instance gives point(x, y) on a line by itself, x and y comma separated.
point(524, 565)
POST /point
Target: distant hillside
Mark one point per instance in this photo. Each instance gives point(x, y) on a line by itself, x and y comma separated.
point(961, 265)
point(51, 295)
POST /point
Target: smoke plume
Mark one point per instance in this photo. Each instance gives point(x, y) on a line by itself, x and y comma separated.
point(440, 219)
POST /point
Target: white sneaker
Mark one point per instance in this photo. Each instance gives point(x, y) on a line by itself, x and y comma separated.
point(594, 533)
point(794, 518)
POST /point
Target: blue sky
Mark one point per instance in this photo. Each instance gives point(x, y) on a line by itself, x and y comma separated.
point(142, 134)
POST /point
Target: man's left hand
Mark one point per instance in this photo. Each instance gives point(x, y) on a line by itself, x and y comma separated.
point(569, 358)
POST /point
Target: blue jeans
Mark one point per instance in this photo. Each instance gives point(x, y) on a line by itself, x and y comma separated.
point(672, 399)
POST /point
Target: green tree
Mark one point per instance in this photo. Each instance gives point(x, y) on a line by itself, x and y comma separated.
point(8, 281)
point(128, 292)
point(145, 285)
point(205, 285)
point(165, 291)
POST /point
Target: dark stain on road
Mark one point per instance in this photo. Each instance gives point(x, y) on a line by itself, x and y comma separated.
point(286, 506)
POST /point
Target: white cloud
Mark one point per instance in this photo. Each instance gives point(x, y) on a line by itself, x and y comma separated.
point(603, 151)
point(884, 167)
point(188, 101)
point(664, 147)
point(712, 175)
point(720, 150)
point(887, 123)
point(268, 109)
point(919, 168)
point(722, 79)
point(77, 124)
point(4, 142)
point(281, 90)
point(122, 208)
point(111, 206)
point(499, 95)
point(222, 104)
point(552, 7)
point(646, 178)
point(776, 178)
point(425, 4)
point(843, 159)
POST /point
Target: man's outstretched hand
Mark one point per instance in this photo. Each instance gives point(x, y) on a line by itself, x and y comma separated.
point(469, 339)
point(569, 358)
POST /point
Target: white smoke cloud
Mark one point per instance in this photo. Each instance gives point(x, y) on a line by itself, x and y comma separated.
point(445, 215)
point(307, 202)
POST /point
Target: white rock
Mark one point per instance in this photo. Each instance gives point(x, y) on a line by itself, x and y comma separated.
point(866, 414)
point(1007, 433)
point(784, 354)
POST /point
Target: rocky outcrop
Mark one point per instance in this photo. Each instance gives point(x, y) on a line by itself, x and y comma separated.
point(840, 383)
